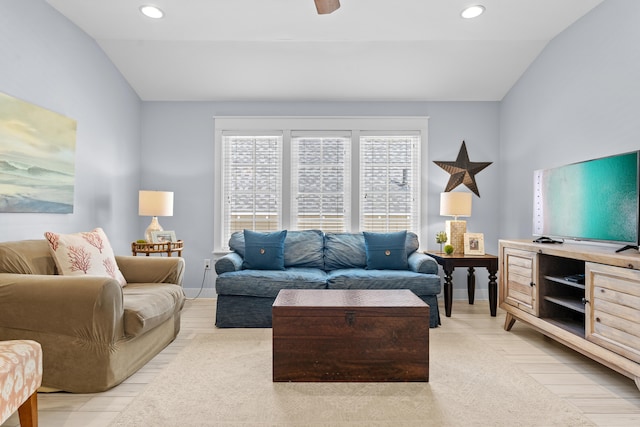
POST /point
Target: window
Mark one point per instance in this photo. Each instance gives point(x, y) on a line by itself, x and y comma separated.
point(320, 186)
point(252, 183)
point(333, 174)
point(389, 184)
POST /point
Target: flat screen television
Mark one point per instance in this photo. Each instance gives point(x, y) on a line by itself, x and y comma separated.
point(594, 200)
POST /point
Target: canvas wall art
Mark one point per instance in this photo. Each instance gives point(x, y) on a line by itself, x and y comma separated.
point(37, 158)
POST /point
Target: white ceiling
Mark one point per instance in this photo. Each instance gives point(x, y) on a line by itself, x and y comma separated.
point(282, 50)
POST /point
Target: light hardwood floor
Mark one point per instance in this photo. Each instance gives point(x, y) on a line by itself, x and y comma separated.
point(604, 396)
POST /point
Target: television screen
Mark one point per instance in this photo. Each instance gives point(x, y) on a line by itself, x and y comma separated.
point(591, 200)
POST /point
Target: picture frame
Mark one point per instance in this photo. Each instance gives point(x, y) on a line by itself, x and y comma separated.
point(473, 243)
point(164, 236)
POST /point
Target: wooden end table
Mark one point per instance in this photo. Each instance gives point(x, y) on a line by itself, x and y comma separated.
point(157, 248)
point(450, 262)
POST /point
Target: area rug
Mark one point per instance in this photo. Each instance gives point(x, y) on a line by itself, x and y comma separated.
point(224, 379)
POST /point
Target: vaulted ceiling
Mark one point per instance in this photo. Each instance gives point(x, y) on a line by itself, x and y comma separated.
point(367, 50)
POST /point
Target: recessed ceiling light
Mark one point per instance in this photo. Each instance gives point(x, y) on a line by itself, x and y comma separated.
point(472, 11)
point(151, 11)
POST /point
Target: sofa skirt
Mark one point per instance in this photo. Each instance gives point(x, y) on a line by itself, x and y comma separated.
point(239, 311)
point(434, 312)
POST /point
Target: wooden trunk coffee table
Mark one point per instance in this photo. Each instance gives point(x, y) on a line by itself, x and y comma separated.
point(350, 335)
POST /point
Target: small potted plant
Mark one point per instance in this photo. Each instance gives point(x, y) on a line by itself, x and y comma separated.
point(441, 237)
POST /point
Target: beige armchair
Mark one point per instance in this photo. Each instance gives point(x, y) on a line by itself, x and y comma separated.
point(94, 333)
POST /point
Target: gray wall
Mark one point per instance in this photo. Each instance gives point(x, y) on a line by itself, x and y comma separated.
point(47, 61)
point(579, 100)
point(178, 153)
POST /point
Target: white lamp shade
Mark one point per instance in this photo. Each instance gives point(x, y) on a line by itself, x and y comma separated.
point(455, 204)
point(155, 203)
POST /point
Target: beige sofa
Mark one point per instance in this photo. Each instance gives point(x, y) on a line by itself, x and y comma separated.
point(94, 333)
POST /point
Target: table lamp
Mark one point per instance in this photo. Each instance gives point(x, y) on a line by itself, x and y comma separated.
point(455, 204)
point(154, 204)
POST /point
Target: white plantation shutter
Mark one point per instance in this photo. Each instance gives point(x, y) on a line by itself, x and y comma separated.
point(252, 183)
point(390, 183)
point(336, 174)
point(320, 180)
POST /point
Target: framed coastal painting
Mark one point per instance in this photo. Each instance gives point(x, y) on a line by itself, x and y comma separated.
point(37, 158)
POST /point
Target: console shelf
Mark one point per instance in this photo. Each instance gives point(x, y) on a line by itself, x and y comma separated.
point(567, 324)
point(599, 318)
point(565, 282)
point(569, 303)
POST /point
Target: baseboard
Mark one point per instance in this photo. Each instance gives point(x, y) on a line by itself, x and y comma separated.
point(462, 294)
point(458, 294)
point(205, 293)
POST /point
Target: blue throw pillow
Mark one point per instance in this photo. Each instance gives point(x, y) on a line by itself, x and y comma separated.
point(386, 251)
point(264, 251)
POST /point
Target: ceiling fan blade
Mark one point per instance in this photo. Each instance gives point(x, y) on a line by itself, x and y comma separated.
point(327, 6)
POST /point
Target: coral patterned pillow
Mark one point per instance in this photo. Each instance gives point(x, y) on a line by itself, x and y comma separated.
point(87, 253)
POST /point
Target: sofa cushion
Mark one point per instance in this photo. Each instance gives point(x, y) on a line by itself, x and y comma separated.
point(412, 243)
point(264, 251)
point(386, 251)
point(86, 253)
point(267, 283)
point(236, 242)
point(26, 257)
point(304, 249)
point(358, 278)
point(344, 250)
point(147, 305)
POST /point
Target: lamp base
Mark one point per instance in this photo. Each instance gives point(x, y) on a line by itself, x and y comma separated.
point(455, 235)
point(154, 226)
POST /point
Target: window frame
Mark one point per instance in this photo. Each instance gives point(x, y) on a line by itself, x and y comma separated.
point(355, 125)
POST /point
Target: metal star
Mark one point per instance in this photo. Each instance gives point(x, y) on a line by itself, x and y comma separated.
point(463, 171)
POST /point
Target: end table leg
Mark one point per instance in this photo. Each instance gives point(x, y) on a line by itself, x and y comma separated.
point(493, 292)
point(448, 292)
point(471, 284)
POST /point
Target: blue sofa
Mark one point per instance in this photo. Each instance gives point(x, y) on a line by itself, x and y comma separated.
point(315, 260)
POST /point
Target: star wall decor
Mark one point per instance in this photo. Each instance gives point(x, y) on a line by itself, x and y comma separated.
point(463, 171)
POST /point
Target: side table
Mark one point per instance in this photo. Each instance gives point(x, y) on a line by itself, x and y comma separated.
point(450, 262)
point(157, 248)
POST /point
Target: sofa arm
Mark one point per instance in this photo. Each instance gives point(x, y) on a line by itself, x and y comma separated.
point(89, 308)
point(230, 262)
point(151, 269)
point(422, 263)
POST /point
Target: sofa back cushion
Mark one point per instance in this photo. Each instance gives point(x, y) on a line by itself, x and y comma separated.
point(347, 250)
point(302, 249)
point(344, 250)
point(26, 257)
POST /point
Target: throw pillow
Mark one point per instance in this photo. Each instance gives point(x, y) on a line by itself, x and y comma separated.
point(88, 253)
point(386, 251)
point(264, 251)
